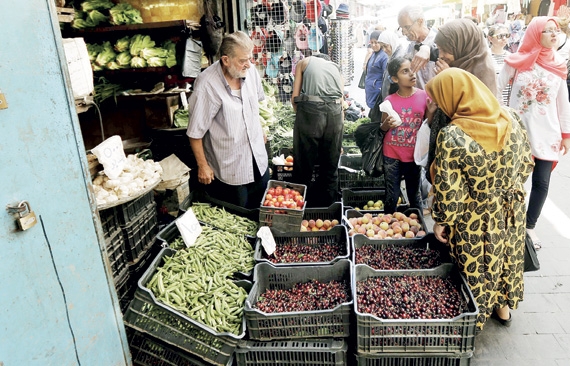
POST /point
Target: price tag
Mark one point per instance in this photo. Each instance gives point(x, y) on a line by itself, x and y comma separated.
point(189, 227)
point(111, 155)
point(267, 240)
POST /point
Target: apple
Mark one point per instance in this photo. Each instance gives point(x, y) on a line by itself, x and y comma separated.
point(384, 225)
point(305, 223)
point(319, 223)
point(334, 222)
point(268, 196)
point(409, 234)
point(327, 223)
point(289, 159)
point(312, 223)
point(303, 228)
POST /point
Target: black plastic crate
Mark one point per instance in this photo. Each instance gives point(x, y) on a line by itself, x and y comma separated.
point(333, 323)
point(429, 241)
point(146, 314)
point(307, 352)
point(413, 359)
point(115, 247)
point(353, 198)
point(445, 336)
point(333, 212)
point(336, 236)
point(282, 219)
point(349, 214)
point(141, 232)
point(285, 173)
point(109, 221)
point(351, 175)
point(131, 210)
point(147, 350)
point(202, 197)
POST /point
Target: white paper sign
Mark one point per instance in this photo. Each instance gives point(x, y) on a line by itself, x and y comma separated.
point(189, 227)
point(267, 240)
point(111, 155)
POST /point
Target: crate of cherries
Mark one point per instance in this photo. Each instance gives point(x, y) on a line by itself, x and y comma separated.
point(414, 310)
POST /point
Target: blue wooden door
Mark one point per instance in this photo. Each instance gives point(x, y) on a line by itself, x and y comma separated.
point(58, 305)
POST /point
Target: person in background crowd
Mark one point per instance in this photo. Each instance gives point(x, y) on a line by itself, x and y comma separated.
point(516, 29)
point(482, 160)
point(539, 94)
point(391, 44)
point(462, 44)
point(498, 36)
point(413, 25)
point(375, 68)
point(319, 121)
point(412, 106)
point(224, 127)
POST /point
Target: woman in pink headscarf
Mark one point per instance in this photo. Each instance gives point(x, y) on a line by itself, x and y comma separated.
point(540, 96)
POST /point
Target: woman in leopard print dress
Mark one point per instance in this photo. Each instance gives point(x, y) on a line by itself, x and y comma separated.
point(482, 159)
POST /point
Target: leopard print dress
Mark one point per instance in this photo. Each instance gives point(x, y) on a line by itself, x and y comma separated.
point(480, 196)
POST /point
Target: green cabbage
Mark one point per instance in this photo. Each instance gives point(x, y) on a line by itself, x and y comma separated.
point(137, 62)
point(156, 61)
point(96, 5)
point(170, 47)
point(93, 49)
point(106, 55)
point(124, 13)
point(138, 42)
point(96, 17)
point(123, 44)
point(113, 65)
point(147, 53)
point(124, 59)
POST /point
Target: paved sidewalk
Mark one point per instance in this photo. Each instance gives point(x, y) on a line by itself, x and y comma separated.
point(540, 330)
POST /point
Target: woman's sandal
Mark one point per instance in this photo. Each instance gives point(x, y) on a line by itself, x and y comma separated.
point(504, 322)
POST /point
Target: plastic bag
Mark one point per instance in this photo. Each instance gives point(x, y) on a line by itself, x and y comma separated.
point(369, 138)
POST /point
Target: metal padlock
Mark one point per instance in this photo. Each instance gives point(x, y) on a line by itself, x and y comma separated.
point(27, 217)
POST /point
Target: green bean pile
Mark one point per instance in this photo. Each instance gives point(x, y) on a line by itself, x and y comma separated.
point(220, 218)
point(195, 280)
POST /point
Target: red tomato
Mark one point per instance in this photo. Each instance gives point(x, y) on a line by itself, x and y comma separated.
point(271, 191)
point(266, 203)
point(268, 196)
point(279, 191)
point(286, 191)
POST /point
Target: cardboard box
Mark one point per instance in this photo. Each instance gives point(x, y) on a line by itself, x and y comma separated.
point(159, 110)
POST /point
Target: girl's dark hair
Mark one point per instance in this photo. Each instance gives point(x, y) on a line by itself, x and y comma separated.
point(393, 67)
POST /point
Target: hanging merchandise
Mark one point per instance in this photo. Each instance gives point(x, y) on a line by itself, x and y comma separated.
point(315, 39)
point(313, 9)
point(340, 46)
point(274, 41)
point(279, 13)
point(192, 58)
point(285, 63)
point(259, 37)
point(211, 29)
point(301, 36)
point(259, 15)
point(297, 11)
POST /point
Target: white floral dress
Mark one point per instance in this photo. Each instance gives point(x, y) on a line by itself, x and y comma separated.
point(541, 99)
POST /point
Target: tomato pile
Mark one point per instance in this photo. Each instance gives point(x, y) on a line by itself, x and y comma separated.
point(284, 197)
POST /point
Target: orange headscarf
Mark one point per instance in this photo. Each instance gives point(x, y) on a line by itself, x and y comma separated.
point(531, 51)
point(471, 106)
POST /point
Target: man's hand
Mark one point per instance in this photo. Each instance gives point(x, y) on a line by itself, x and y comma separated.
point(205, 174)
point(420, 59)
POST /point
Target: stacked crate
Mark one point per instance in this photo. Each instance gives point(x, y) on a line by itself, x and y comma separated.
point(402, 341)
point(130, 230)
point(316, 337)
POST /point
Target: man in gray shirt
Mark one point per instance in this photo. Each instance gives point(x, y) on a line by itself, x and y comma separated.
point(224, 127)
point(317, 135)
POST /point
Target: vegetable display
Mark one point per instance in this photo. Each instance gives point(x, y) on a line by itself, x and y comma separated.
point(137, 176)
point(221, 219)
point(131, 52)
point(95, 13)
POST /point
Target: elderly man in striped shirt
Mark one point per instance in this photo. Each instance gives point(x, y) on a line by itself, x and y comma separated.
point(224, 127)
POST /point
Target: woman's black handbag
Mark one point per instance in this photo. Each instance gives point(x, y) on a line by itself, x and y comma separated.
point(530, 258)
point(361, 83)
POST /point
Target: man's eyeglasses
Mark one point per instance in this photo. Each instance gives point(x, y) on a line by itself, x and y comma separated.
point(501, 36)
point(406, 28)
point(551, 31)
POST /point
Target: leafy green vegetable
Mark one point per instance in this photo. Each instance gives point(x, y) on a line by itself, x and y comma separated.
point(156, 61)
point(93, 49)
point(96, 17)
point(181, 117)
point(170, 48)
point(104, 89)
point(123, 44)
point(124, 59)
point(96, 5)
point(106, 55)
point(124, 13)
point(350, 126)
point(147, 53)
point(137, 62)
point(138, 42)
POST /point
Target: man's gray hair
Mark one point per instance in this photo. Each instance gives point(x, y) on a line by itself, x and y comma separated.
point(235, 40)
point(414, 12)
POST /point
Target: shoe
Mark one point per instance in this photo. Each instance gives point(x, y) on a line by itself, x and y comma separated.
point(536, 241)
point(503, 322)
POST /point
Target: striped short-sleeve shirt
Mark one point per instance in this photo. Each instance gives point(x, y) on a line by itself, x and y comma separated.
point(228, 124)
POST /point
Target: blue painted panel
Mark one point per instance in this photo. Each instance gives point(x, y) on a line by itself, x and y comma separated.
point(57, 300)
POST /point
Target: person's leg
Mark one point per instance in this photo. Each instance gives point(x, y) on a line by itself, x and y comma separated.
point(225, 192)
point(538, 193)
point(392, 176)
point(412, 173)
point(309, 129)
point(329, 155)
